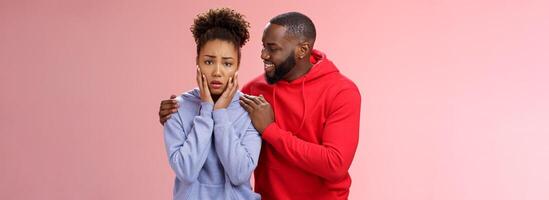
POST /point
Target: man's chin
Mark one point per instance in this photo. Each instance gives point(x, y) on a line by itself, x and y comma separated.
point(270, 79)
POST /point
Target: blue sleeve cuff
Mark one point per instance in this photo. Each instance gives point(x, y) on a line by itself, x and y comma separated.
point(206, 109)
point(220, 116)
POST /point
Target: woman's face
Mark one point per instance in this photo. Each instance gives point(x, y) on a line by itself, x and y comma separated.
point(218, 61)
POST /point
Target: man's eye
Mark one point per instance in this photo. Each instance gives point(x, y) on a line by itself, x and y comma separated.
point(269, 49)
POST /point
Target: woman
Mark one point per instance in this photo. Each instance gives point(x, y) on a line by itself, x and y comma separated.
point(212, 146)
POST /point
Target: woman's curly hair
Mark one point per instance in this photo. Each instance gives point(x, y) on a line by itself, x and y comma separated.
point(222, 23)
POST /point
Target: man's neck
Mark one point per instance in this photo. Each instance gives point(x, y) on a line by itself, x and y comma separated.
point(298, 71)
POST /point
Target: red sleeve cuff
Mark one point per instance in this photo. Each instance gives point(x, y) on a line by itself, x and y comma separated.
point(270, 133)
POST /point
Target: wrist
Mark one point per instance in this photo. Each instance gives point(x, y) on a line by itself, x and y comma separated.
point(268, 130)
point(220, 106)
point(264, 128)
point(206, 101)
point(206, 109)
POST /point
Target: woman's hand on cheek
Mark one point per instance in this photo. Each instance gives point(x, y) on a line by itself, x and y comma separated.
point(202, 82)
point(227, 96)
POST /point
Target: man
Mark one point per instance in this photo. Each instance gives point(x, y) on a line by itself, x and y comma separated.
point(307, 113)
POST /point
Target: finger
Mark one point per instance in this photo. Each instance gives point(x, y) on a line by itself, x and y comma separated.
point(227, 92)
point(236, 79)
point(230, 85)
point(199, 78)
point(249, 102)
point(262, 99)
point(205, 84)
point(254, 98)
point(246, 107)
point(233, 87)
point(169, 106)
point(233, 91)
point(164, 119)
point(173, 96)
point(249, 96)
point(168, 102)
point(167, 112)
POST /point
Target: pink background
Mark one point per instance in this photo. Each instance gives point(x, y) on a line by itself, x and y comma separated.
point(455, 94)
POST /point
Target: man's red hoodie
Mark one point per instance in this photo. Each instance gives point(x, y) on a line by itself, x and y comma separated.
point(307, 151)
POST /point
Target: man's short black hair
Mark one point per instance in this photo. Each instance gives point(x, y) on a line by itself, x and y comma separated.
point(297, 25)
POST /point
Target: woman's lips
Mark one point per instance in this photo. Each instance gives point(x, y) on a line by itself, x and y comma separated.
point(216, 84)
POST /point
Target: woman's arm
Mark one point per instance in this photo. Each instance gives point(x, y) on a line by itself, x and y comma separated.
point(238, 155)
point(187, 152)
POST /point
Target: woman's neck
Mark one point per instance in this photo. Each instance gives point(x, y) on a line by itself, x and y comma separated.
point(215, 97)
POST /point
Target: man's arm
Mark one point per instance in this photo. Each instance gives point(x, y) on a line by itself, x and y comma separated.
point(331, 159)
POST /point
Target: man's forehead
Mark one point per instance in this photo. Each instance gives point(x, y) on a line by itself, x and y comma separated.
point(274, 32)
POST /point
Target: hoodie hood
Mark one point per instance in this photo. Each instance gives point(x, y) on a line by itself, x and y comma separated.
point(322, 67)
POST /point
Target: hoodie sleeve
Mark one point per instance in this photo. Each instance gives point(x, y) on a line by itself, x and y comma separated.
point(332, 158)
point(238, 155)
point(187, 152)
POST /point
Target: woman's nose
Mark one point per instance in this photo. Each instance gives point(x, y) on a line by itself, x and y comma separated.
point(217, 70)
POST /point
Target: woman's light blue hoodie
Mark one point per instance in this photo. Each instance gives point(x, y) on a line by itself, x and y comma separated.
point(213, 153)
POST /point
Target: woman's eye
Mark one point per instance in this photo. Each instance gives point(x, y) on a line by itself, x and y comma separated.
point(208, 62)
point(228, 64)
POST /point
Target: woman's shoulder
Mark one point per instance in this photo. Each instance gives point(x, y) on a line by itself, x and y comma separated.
point(189, 102)
point(189, 97)
point(235, 109)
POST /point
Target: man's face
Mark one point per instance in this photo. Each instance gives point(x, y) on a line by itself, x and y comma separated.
point(278, 53)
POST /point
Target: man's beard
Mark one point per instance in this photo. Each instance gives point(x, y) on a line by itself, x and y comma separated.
point(282, 69)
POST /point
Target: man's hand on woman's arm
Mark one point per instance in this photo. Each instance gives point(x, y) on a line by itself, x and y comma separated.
point(167, 107)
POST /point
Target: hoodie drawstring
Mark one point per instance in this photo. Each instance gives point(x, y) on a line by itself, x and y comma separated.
point(304, 104)
point(274, 99)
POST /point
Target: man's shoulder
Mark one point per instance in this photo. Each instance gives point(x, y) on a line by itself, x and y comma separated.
point(258, 80)
point(343, 91)
point(340, 82)
point(256, 85)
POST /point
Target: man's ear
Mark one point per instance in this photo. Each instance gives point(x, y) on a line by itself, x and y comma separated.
point(303, 49)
